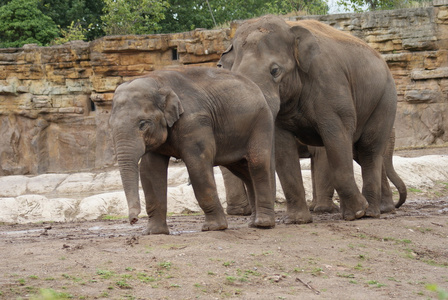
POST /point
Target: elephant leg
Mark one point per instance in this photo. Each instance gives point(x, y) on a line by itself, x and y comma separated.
point(200, 170)
point(241, 171)
point(323, 188)
point(237, 202)
point(287, 163)
point(153, 175)
point(371, 167)
point(387, 202)
point(338, 144)
point(258, 173)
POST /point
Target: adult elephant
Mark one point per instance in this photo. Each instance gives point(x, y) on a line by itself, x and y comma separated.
point(334, 91)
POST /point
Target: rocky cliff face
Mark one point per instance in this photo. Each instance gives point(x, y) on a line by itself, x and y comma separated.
point(55, 101)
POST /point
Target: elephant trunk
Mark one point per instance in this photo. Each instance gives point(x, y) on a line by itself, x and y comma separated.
point(128, 156)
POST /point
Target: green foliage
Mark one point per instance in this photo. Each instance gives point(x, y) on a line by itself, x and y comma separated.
point(441, 293)
point(50, 294)
point(85, 12)
point(44, 21)
point(185, 15)
point(22, 22)
point(133, 16)
point(371, 5)
point(74, 32)
point(281, 7)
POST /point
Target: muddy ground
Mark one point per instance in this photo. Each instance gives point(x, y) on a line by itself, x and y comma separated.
point(399, 256)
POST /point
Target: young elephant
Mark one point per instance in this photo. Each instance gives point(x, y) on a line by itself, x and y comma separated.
point(206, 117)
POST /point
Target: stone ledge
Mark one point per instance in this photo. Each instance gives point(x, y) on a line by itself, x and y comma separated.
point(421, 96)
point(429, 74)
point(440, 2)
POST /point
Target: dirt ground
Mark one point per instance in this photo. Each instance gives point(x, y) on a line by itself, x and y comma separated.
point(399, 256)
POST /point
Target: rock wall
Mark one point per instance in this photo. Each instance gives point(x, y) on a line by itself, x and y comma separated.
point(55, 101)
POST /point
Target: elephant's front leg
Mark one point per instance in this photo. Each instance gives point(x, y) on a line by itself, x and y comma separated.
point(287, 163)
point(237, 203)
point(200, 170)
point(153, 174)
point(323, 188)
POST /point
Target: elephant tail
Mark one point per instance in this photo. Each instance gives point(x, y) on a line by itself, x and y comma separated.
point(399, 184)
point(391, 173)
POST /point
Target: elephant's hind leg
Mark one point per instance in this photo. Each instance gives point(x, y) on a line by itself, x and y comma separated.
point(236, 196)
point(387, 203)
point(323, 189)
point(200, 170)
point(287, 162)
point(261, 167)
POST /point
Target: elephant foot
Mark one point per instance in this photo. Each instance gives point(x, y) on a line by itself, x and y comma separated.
point(312, 205)
point(387, 206)
point(373, 212)
point(355, 210)
point(156, 228)
point(262, 221)
point(265, 221)
point(239, 210)
point(215, 222)
point(297, 217)
point(326, 209)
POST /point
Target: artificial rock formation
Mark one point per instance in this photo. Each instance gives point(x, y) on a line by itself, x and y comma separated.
point(55, 101)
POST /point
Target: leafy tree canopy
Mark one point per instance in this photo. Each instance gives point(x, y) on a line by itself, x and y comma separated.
point(85, 13)
point(22, 22)
point(133, 16)
point(33, 21)
point(371, 5)
point(185, 15)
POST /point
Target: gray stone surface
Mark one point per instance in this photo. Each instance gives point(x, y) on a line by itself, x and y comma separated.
point(88, 196)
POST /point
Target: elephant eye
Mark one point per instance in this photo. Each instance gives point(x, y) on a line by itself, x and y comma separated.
point(275, 71)
point(144, 124)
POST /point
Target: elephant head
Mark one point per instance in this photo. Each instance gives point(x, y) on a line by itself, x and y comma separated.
point(141, 114)
point(273, 55)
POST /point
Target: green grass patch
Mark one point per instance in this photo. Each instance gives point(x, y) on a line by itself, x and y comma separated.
point(441, 293)
point(375, 283)
point(50, 294)
point(105, 274)
point(122, 284)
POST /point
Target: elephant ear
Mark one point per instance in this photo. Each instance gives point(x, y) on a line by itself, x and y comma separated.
point(226, 60)
point(172, 107)
point(306, 47)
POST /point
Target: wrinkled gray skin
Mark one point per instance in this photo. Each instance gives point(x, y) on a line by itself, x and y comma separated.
point(334, 91)
point(202, 116)
point(323, 189)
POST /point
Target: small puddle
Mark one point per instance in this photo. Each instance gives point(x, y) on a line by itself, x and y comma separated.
point(19, 232)
point(115, 227)
point(179, 232)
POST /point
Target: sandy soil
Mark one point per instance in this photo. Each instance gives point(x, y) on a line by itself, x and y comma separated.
point(399, 256)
